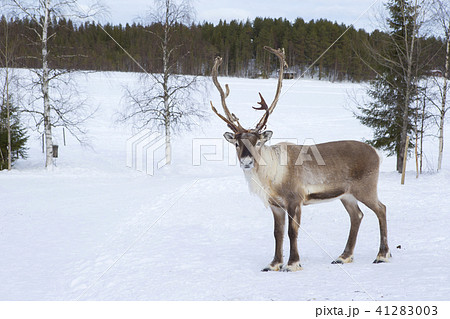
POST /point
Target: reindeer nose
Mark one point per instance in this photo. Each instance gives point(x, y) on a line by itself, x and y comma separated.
point(247, 163)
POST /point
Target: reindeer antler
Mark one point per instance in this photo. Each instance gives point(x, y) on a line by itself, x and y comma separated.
point(282, 57)
point(230, 124)
point(262, 123)
point(231, 119)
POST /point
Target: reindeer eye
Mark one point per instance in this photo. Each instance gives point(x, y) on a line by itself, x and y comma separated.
point(258, 143)
point(237, 145)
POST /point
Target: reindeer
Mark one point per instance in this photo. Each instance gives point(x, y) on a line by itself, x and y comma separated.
point(285, 177)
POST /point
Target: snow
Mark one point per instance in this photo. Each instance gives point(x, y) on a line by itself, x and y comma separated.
point(193, 232)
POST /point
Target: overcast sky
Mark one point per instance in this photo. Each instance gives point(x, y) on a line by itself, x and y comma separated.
point(342, 11)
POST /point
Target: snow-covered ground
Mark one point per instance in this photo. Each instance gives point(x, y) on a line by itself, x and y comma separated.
point(93, 229)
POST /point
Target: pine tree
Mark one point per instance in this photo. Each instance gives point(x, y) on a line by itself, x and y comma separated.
point(239, 43)
point(18, 134)
point(384, 115)
point(391, 112)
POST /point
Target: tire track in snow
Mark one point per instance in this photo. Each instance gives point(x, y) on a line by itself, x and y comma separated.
point(139, 224)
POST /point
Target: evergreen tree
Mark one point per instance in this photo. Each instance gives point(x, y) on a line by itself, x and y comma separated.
point(384, 115)
point(18, 134)
point(239, 43)
point(391, 113)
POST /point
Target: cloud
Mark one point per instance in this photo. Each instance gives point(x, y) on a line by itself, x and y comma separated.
point(343, 11)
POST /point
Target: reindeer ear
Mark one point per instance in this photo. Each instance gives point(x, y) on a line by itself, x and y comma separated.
point(265, 136)
point(229, 137)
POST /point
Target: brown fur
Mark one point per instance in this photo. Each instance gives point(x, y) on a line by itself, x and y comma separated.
point(288, 176)
point(350, 172)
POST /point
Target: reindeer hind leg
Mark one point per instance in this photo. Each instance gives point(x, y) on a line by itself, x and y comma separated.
point(356, 215)
point(379, 209)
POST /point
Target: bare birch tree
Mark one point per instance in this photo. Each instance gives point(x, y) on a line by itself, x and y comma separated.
point(398, 67)
point(6, 93)
point(62, 108)
point(441, 10)
point(165, 100)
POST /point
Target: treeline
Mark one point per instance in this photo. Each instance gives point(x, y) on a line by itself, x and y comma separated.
point(89, 47)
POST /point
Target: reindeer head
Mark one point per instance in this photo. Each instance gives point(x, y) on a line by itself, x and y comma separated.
point(248, 142)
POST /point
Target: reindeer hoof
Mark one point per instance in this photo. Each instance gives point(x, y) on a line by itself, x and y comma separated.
point(293, 267)
point(341, 260)
point(382, 259)
point(276, 267)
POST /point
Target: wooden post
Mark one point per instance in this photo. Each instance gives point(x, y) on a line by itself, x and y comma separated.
point(416, 155)
point(404, 160)
point(64, 136)
point(416, 133)
point(422, 129)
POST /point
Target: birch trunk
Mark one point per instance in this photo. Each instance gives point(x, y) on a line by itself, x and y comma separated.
point(8, 120)
point(442, 111)
point(168, 145)
point(166, 73)
point(8, 125)
point(8, 109)
point(45, 89)
point(409, 81)
point(167, 121)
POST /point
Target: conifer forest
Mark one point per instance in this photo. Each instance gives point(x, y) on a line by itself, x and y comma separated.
point(88, 47)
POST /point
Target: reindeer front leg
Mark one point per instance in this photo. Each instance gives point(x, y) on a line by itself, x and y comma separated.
point(278, 232)
point(294, 213)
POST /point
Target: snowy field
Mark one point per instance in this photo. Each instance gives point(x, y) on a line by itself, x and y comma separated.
point(94, 229)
